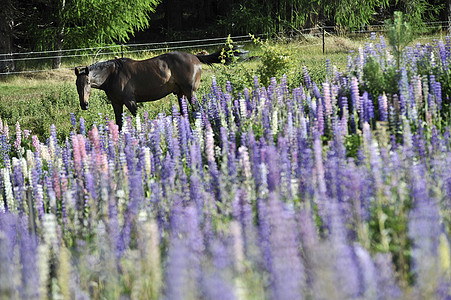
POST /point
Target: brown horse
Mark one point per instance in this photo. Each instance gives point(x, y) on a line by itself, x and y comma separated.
point(127, 81)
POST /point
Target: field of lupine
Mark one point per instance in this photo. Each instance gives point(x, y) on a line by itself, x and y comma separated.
point(333, 190)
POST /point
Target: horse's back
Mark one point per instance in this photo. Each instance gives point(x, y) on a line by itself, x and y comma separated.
point(156, 77)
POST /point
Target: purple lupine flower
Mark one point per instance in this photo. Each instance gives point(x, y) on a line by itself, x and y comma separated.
point(424, 230)
point(82, 126)
point(328, 68)
point(7, 244)
point(307, 79)
point(362, 108)
point(179, 283)
point(273, 169)
point(30, 272)
point(243, 212)
point(73, 121)
point(438, 94)
point(285, 265)
point(346, 268)
point(266, 121)
point(320, 120)
point(285, 167)
point(368, 273)
point(443, 56)
point(248, 100)
point(316, 92)
point(136, 198)
point(386, 282)
point(217, 282)
point(309, 240)
point(53, 134)
point(196, 159)
point(373, 36)
point(383, 107)
point(369, 107)
point(91, 185)
point(344, 115)
point(184, 106)
point(186, 246)
point(355, 97)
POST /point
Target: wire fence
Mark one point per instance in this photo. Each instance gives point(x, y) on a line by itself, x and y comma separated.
point(41, 58)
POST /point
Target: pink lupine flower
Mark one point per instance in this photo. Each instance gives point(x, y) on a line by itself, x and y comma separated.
point(76, 153)
point(26, 133)
point(18, 141)
point(94, 137)
point(6, 130)
point(57, 185)
point(35, 142)
point(114, 129)
point(81, 146)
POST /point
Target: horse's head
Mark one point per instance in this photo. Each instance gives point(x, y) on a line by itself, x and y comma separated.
point(83, 86)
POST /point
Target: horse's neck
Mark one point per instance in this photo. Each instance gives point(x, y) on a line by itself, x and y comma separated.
point(99, 73)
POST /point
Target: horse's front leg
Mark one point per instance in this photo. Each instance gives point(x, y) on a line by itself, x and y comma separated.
point(118, 110)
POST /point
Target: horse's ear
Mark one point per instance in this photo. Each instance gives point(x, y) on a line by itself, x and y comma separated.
point(77, 71)
point(87, 70)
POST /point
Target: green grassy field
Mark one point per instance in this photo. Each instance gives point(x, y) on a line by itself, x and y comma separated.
point(38, 100)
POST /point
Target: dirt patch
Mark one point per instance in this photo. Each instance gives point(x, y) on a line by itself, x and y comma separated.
point(53, 75)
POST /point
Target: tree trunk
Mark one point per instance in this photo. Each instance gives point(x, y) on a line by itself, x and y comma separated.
point(449, 16)
point(173, 14)
point(6, 45)
point(59, 47)
point(59, 37)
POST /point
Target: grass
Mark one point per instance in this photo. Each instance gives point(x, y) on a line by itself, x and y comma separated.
point(38, 100)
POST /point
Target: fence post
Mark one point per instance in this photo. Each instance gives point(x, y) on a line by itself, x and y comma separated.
point(122, 50)
point(324, 44)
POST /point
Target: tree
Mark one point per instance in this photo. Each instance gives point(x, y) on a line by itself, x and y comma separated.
point(6, 37)
point(400, 34)
point(81, 23)
point(449, 16)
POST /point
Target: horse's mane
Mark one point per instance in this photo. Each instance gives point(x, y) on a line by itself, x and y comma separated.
point(119, 62)
point(98, 66)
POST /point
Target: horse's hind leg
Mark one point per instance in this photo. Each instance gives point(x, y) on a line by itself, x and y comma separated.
point(189, 93)
point(131, 105)
point(179, 98)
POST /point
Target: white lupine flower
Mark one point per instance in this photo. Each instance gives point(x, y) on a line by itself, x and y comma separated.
point(147, 160)
point(52, 149)
point(8, 190)
point(24, 166)
point(244, 161)
point(198, 131)
point(49, 225)
point(43, 267)
point(45, 155)
point(243, 108)
point(138, 124)
point(210, 143)
point(275, 122)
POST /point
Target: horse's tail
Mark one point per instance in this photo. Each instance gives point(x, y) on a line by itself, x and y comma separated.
point(218, 57)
